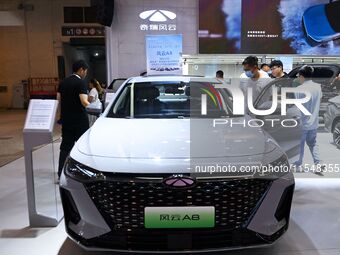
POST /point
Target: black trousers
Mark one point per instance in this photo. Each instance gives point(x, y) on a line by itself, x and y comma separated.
point(70, 134)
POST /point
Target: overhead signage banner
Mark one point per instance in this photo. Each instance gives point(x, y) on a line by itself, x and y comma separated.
point(164, 54)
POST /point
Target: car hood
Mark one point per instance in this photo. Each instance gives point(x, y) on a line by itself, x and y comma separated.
point(170, 139)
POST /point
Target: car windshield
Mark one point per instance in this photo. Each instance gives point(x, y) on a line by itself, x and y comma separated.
point(171, 100)
point(115, 85)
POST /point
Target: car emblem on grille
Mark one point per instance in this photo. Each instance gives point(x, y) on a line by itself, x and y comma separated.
point(179, 181)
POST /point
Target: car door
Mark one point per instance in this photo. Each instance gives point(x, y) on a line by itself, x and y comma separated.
point(286, 130)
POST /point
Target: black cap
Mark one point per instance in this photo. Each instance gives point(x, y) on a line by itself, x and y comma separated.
point(276, 63)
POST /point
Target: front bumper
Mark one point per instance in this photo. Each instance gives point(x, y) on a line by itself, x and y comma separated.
point(108, 215)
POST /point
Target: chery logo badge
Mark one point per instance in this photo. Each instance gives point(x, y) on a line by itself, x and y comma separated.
point(179, 181)
point(158, 15)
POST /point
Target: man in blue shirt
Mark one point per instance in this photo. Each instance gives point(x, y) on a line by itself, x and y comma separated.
point(309, 123)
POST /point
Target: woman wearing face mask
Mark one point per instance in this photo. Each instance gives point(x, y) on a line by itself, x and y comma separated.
point(256, 78)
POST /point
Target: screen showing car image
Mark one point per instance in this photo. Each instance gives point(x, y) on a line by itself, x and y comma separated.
point(306, 27)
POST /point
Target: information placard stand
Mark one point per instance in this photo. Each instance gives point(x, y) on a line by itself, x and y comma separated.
point(38, 131)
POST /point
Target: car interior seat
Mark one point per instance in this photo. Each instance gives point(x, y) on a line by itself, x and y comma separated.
point(147, 102)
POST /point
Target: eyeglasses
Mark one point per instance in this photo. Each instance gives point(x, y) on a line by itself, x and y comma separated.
point(274, 67)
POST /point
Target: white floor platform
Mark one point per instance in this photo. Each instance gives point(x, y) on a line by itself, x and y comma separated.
point(314, 229)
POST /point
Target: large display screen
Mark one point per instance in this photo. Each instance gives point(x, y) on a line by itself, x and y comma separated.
point(306, 27)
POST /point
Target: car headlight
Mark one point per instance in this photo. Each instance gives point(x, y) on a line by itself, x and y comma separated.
point(80, 172)
point(275, 169)
point(270, 145)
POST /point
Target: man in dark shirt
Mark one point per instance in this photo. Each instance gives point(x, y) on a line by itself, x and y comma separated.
point(277, 69)
point(73, 99)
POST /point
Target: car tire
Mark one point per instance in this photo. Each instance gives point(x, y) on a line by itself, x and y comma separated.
point(336, 134)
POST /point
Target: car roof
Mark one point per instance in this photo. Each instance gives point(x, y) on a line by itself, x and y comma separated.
point(172, 78)
point(320, 65)
point(333, 67)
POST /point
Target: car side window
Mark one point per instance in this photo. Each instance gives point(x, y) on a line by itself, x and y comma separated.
point(266, 98)
point(265, 102)
point(336, 84)
point(121, 108)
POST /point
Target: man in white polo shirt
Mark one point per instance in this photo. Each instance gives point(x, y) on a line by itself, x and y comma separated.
point(309, 123)
point(253, 77)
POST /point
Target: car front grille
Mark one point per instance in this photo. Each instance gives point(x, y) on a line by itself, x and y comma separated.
point(121, 201)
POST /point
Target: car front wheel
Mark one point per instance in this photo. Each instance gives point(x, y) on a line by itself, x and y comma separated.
point(336, 134)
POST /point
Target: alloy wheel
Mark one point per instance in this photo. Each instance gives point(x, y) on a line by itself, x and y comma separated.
point(336, 134)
